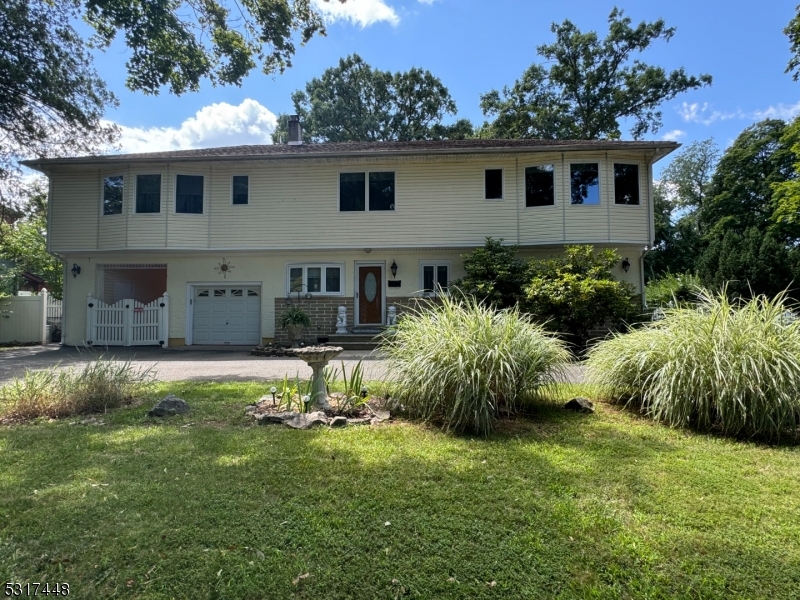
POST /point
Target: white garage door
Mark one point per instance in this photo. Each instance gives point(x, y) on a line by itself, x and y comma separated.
point(227, 315)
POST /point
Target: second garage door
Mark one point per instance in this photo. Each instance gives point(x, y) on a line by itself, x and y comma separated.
point(227, 315)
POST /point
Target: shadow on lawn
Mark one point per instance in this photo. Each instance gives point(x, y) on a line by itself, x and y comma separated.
point(135, 508)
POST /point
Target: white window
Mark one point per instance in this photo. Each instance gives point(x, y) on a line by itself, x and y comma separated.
point(493, 184)
point(148, 193)
point(240, 189)
point(319, 279)
point(366, 191)
point(112, 194)
point(434, 277)
point(189, 194)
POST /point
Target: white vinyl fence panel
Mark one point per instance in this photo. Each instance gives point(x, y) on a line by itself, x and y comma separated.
point(24, 319)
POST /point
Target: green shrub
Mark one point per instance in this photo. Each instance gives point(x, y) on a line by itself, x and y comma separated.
point(101, 385)
point(461, 364)
point(730, 367)
point(294, 315)
point(494, 274)
point(672, 290)
point(576, 292)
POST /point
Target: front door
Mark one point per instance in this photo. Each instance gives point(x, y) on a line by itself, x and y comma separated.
point(370, 295)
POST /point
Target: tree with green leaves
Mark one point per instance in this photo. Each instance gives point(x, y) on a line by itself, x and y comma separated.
point(356, 102)
point(589, 85)
point(51, 99)
point(746, 244)
point(741, 193)
point(792, 31)
point(178, 43)
point(23, 246)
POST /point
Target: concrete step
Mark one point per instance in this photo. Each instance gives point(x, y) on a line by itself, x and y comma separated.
point(354, 341)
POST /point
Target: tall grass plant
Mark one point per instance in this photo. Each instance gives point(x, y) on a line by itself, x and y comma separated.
point(462, 364)
point(728, 366)
point(56, 392)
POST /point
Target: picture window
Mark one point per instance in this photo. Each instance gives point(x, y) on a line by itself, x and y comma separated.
point(540, 186)
point(148, 193)
point(584, 183)
point(626, 183)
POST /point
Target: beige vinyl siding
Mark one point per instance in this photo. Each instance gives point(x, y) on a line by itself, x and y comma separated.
point(295, 204)
point(74, 209)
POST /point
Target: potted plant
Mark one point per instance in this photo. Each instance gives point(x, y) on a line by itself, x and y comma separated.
point(294, 319)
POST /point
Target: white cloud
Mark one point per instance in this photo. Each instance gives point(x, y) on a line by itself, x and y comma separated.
point(672, 136)
point(702, 113)
point(361, 12)
point(216, 125)
point(781, 111)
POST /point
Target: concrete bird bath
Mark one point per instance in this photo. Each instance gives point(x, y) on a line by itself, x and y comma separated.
point(317, 358)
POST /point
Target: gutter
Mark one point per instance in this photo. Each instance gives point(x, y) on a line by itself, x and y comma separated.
point(41, 165)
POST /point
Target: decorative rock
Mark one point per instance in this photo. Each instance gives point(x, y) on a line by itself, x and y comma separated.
point(381, 415)
point(307, 420)
point(339, 422)
point(580, 404)
point(359, 421)
point(170, 405)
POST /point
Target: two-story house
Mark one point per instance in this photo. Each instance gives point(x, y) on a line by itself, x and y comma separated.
point(231, 235)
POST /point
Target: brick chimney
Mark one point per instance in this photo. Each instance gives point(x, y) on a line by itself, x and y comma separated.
point(295, 131)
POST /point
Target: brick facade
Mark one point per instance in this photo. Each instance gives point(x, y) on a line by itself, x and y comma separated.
point(322, 310)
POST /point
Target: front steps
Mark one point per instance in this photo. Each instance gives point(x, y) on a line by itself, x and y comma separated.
point(360, 339)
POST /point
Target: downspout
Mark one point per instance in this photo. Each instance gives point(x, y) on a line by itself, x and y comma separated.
point(650, 233)
point(516, 176)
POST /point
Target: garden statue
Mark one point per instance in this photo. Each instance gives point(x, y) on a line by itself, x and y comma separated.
point(341, 320)
point(391, 317)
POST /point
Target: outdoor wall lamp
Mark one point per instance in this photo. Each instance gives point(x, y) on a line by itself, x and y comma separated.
point(626, 264)
point(76, 270)
point(393, 269)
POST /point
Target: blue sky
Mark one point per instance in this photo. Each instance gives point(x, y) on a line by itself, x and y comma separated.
point(474, 46)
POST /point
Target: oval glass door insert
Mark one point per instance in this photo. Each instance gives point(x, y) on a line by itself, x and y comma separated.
point(370, 287)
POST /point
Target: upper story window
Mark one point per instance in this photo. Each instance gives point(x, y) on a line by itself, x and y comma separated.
point(626, 183)
point(315, 279)
point(584, 183)
point(434, 277)
point(189, 194)
point(493, 184)
point(240, 189)
point(112, 195)
point(148, 193)
point(371, 191)
point(540, 186)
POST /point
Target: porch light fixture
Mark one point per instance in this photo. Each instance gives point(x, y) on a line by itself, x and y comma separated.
point(393, 269)
point(626, 264)
point(76, 270)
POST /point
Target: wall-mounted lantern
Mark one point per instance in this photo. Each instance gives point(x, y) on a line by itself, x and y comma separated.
point(393, 269)
point(626, 264)
point(76, 270)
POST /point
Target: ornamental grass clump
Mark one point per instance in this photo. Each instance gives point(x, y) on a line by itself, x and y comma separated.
point(732, 367)
point(461, 364)
point(101, 385)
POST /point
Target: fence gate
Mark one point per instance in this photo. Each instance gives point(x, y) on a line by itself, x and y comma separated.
point(127, 322)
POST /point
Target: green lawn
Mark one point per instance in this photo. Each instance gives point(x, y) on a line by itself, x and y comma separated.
point(565, 505)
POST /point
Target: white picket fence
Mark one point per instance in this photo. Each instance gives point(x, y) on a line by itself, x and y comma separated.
point(55, 308)
point(127, 322)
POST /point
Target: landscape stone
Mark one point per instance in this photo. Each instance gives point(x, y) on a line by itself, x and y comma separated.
point(359, 421)
point(339, 422)
point(580, 404)
point(169, 405)
point(307, 420)
point(381, 415)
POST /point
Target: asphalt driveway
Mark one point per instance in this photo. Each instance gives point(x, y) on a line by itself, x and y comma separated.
point(195, 363)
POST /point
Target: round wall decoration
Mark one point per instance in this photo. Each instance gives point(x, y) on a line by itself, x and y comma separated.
point(370, 287)
point(224, 268)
